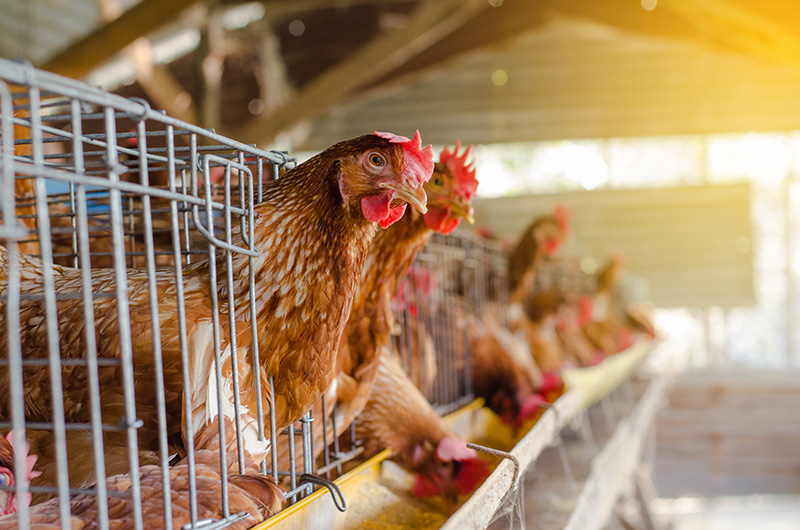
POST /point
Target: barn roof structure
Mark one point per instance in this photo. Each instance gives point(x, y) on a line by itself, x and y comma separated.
point(326, 69)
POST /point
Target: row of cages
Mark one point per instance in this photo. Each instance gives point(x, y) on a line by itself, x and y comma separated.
point(107, 206)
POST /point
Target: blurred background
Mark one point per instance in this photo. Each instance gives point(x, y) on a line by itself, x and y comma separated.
point(670, 128)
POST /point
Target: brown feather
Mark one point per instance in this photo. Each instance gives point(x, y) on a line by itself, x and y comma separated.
point(252, 493)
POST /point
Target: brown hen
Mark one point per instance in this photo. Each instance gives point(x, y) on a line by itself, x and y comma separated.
point(398, 417)
point(312, 231)
point(371, 321)
point(543, 237)
point(508, 389)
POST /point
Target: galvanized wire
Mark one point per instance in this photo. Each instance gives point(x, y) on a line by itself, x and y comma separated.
point(137, 192)
point(105, 150)
point(455, 276)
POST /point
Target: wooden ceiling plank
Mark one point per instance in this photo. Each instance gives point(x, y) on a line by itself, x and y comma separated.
point(431, 22)
point(80, 58)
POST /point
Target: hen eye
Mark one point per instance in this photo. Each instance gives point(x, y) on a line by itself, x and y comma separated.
point(376, 160)
point(437, 181)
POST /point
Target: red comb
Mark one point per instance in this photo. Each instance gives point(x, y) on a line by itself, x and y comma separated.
point(451, 448)
point(418, 161)
point(563, 215)
point(466, 183)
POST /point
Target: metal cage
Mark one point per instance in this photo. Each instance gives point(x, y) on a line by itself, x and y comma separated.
point(455, 276)
point(91, 180)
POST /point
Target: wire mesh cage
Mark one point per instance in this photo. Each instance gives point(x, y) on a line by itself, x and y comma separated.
point(564, 274)
point(108, 208)
point(454, 277)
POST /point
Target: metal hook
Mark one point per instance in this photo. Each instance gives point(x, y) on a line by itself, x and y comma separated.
point(501, 454)
point(146, 108)
point(333, 488)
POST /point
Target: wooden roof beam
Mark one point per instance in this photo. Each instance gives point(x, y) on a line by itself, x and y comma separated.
point(160, 85)
point(80, 58)
point(428, 24)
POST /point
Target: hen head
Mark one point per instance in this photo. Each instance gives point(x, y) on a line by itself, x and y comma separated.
point(450, 191)
point(450, 469)
point(528, 409)
point(515, 411)
point(552, 383)
point(380, 173)
point(8, 499)
point(553, 230)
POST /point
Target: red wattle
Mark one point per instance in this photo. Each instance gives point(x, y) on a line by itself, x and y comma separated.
point(436, 217)
point(586, 310)
point(471, 475)
point(626, 339)
point(394, 214)
point(377, 209)
point(530, 406)
point(552, 382)
point(424, 487)
point(450, 225)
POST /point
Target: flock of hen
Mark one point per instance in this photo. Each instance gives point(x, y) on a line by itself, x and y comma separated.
point(324, 280)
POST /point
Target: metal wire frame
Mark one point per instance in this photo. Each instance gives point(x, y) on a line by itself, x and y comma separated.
point(136, 193)
point(454, 276)
point(564, 274)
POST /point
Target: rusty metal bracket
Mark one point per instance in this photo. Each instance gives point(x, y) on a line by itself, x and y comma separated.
point(501, 454)
point(336, 493)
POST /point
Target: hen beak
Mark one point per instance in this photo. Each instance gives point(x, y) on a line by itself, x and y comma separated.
point(458, 208)
point(414, 196)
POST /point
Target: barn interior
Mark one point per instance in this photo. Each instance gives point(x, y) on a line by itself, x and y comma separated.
point(668, 129)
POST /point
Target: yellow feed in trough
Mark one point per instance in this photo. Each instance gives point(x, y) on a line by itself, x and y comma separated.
point(382, 509)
